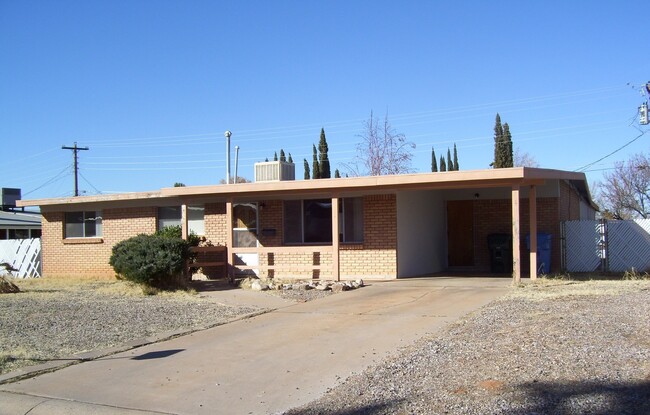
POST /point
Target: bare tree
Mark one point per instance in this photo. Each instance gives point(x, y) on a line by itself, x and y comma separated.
point(524, 159)
point(625, 193)
point(381, 151)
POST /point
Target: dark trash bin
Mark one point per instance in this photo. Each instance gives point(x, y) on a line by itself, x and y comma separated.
point(500, 245)
point(543, 251)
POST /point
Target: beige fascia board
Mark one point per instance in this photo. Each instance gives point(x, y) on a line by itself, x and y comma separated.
point(89, 199)
point(322, 187)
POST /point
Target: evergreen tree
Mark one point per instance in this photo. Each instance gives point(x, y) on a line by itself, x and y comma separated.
point(443, 165)
point(450, 163)
point(498, 139)
point(307, 172)
point(434, 162)
point(290, 158)
point(324, 163)
point(315, 168)
point(455, 158)
point(337, 174)
point(275, 156)
point(267, 160)
point(282, 156)
point(508, 160)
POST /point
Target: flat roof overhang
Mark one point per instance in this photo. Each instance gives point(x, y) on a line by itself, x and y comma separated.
point(340, 187)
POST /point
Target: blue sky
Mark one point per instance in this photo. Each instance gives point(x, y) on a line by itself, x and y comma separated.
point(150, 86)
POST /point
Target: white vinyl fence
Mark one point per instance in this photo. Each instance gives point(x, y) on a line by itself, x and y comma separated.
point(23, 257)
point(602, 245)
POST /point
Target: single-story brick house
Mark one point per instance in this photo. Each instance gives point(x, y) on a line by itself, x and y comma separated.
point(379, 227)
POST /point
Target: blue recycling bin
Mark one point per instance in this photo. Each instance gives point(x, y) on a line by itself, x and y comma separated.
point(543, 251)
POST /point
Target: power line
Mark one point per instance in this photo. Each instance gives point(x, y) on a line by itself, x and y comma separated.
point(52, 180)
point(583, 168)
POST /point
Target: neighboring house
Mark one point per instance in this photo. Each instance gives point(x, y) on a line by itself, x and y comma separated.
point(379, 227)
point(19, 225)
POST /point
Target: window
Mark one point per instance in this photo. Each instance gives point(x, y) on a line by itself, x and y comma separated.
point(18, 233)
point(244, 230)
point(86, 224)
point(169, 216)
point(351, 217)
point(35, 233)
point(310, 221)
point(173, 216)
point(196, 220)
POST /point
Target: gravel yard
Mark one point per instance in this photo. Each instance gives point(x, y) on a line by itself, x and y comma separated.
point(556, 347)
point(56, 319)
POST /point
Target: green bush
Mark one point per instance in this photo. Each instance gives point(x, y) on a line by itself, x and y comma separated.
point(176, 232)
point(152, 260)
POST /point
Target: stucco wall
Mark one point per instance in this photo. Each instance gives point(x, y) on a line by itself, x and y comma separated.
point(421, 233)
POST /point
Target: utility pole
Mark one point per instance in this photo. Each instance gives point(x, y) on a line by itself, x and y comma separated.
point(75, 157)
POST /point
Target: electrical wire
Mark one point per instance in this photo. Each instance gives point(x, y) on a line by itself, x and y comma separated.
point(54, 179)
point(586, 166)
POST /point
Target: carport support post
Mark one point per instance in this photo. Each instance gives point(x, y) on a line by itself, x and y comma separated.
point(532, 203)
point(336, 271)
point(184, 231)
point(229, 257)
point(516, 249)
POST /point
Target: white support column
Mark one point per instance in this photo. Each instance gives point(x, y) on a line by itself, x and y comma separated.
point(336, 270)
point(532, 202)
point(184, 231)
point(516, 243)
point(229, 240)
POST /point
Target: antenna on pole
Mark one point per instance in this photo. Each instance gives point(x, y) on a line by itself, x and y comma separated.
point(75, 151)
point(227, 134)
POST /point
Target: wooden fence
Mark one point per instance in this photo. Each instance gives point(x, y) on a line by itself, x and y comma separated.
point(23, 257)
point(603, 245)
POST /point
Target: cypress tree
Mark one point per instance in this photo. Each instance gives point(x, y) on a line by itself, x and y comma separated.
point(315, 168)
point(508, 160)
point(324, 163)
point(455, 158)
point(450, 164)
point(498, 139)
point(282, 156)
point(307, 172)
point(290, 158)
point(443, 165)
point(434, 162)
point(275, 156)
point(337, 174)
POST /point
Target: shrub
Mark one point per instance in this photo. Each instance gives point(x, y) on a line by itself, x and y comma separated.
point(176, 232)
point(152, 260)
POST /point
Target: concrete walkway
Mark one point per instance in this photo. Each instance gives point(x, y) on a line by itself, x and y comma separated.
point(263, 365)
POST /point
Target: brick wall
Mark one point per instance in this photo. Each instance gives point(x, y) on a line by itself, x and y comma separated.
point(495, 216)
point(377, 256)
point(88, 257)
point(216, 224)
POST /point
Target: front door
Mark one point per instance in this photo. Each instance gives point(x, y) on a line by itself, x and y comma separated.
point(460, 233)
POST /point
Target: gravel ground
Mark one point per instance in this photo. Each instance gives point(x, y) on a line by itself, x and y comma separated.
point(552, 348)
point(52, 320)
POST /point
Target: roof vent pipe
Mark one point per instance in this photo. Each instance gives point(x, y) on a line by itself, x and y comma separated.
point(227, 134)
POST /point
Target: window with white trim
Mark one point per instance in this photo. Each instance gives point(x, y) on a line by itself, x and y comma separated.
point(86, 224)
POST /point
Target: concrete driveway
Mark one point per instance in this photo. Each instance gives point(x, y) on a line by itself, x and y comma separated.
point(262, 365)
